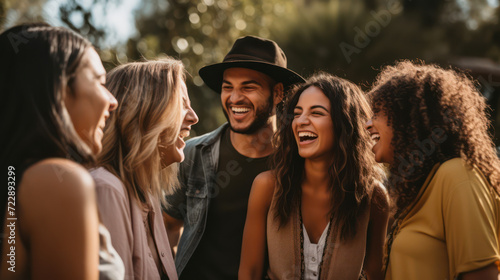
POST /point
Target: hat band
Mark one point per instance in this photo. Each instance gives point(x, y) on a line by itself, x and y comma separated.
point(238, 57)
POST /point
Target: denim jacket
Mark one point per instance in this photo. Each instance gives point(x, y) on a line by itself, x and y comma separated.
point(191, 200)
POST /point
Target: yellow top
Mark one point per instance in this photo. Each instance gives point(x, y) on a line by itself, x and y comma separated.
point(453, 228)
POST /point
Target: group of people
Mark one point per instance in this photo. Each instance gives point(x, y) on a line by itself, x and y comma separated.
point(291, 187)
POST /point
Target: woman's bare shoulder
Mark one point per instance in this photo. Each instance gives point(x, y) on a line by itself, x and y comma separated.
point(263, 188)
point(56, 178)
point(266, 178)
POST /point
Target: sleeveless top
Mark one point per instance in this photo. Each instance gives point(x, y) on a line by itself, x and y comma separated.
point(342, 260)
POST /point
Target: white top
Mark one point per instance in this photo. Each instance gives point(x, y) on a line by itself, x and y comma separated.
point(110, 264)
point(313, 253)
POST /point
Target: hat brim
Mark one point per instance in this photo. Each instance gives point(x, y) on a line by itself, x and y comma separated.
point(212, 74)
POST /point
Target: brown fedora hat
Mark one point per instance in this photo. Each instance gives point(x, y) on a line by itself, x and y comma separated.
point(253, 53)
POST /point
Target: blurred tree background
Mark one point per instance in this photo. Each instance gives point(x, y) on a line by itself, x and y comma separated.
point(352, 39)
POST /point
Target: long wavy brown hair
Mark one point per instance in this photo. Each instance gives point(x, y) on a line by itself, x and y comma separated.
point(436, 115)
point(353, 170)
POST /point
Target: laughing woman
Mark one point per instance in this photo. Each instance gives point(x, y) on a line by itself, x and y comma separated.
point(143, 139)
point(321, 213)
point(54, 106)
point(432, 130)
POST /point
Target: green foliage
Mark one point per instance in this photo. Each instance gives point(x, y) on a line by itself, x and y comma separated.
point(201, 33)
point(87, 26)
point(14, 12)
point(2, 13)
point(352, 39)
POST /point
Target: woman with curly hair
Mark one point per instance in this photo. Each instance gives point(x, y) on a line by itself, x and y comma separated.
point(322, 212)
point(143, 140)
point(431, 127)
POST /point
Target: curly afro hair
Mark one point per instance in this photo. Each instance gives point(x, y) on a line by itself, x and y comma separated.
point(436, 114)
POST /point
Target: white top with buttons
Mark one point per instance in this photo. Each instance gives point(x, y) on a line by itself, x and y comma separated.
point(313, 253)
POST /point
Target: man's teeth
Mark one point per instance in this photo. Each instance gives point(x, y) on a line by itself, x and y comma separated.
point(307, 134)
point(240, 109)
point(375, 137)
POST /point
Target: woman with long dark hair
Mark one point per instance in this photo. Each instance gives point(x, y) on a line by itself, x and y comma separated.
point(430, 125)
point(321, 213)
point(53, 110)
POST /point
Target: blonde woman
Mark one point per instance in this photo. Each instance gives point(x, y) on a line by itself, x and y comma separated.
point(144, 137)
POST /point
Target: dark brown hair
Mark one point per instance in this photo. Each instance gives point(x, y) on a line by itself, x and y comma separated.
point(353, 170)
point(38, 64)
point(436, 115)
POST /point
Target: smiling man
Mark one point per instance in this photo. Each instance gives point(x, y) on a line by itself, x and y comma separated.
point(220, 166)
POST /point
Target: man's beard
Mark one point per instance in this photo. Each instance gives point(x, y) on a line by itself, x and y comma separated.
point(261, 118)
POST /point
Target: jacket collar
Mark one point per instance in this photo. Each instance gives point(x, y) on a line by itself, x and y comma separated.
point(213, 136)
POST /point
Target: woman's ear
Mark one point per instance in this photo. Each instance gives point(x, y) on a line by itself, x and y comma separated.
point(68, 93)
point(278, 92)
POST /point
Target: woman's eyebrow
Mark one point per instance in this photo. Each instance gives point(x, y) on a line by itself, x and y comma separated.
point(319, 106)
